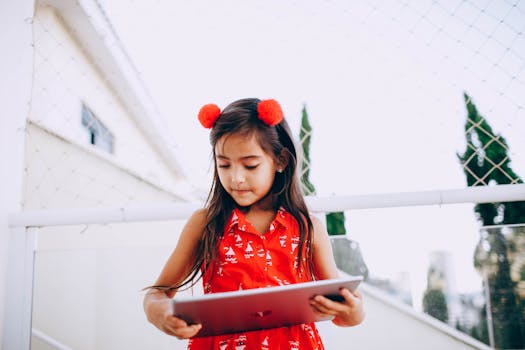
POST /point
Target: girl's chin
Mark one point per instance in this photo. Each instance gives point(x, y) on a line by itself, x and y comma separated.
point(243, 203)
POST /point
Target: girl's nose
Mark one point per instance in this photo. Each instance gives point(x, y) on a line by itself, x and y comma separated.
point(238, 177)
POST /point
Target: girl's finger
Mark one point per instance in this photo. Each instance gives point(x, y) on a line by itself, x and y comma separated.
point(187, 332)
point(327, 303)
point(322, 306)
point(349, 297)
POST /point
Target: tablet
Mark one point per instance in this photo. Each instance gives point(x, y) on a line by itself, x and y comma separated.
point(260, 308)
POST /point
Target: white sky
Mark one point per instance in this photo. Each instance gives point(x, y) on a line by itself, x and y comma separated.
point(383, 84)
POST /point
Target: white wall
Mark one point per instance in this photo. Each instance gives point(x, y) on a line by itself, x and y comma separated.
point(61, 174)
point(391, 325)
point(64, 77)
point(15, 89)
point(88, 278)
point(88, 282)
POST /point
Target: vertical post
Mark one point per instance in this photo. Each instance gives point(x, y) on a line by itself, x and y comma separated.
point(19, 293)
point(490, 323)
point(16, 72)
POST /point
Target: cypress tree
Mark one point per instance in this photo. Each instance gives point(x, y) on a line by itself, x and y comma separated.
point(305, 135)
point(486, 162)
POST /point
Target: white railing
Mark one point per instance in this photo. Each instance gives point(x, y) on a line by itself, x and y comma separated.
point(53, 343)
point(24, 226)
point(176, 211)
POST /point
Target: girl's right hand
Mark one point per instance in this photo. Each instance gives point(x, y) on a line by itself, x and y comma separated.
point(159, 313)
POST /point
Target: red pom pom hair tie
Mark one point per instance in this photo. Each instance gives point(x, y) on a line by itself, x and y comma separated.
point(270, 112)
point(209, 114)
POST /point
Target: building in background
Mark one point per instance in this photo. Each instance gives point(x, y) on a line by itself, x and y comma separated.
point(94, 136)
point(93, 139)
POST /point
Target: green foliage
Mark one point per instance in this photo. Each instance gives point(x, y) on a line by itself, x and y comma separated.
point(305, 136)
point(435, 304)
point(335, 223)
point(485, 161)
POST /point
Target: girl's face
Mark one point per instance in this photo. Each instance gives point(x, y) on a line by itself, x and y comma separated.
point(245, 171)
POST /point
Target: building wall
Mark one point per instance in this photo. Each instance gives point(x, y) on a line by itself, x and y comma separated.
point(64, 78)
point(61, 174)
point(89, 280)
point(391, 325)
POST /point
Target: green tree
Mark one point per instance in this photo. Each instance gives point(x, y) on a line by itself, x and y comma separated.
point(305, 136)
point(435, 304)
point(335, 223)
point(485, 161)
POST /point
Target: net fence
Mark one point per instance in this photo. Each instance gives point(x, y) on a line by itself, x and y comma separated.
point(401, 96)
point(380, 81)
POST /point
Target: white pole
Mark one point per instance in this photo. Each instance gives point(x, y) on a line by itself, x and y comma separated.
point(490, 322)
point(181, 211)
point(55, 344)
point(477, 194)
point(16, 70)
point(19, 294)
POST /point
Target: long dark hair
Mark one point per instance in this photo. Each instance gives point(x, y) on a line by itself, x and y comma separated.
point(241, 117)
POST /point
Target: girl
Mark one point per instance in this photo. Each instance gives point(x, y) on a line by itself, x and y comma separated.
point(255, 231)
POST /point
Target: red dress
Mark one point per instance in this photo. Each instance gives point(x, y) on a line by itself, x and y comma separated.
point(248, 260)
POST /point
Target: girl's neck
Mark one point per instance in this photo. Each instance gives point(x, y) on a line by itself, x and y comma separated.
point(260, 218)
point(265, 205)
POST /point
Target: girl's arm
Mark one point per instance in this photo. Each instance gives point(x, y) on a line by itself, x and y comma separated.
point(348, 313)
point(157, 303)
point(324, 263)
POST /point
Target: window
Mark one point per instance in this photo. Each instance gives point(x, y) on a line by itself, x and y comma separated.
point(98, 134)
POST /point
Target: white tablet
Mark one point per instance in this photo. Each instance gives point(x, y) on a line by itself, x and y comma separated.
point(260, 308)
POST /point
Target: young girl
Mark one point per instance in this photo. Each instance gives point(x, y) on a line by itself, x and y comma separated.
point(255, 231)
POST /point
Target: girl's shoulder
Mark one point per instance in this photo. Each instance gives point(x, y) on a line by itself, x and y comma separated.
point(196, 223)
point(199, 217)
point(319, 228)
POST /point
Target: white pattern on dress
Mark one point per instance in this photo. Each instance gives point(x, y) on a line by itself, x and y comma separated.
point(240, 342)
point(264, 344)
point(268, 258)
point(248, 252)
point(230, 255)
point(282, 241)
point(294, 345)
point(223, 345)
point(238, 241)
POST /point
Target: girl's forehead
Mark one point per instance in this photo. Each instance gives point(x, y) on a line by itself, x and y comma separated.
point(238, 143)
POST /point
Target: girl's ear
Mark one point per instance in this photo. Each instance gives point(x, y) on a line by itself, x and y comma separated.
point(283, 159)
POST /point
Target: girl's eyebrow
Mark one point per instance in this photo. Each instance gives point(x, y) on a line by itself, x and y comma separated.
point(250, 157)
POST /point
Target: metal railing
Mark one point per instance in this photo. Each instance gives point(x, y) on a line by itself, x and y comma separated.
point(24, 228)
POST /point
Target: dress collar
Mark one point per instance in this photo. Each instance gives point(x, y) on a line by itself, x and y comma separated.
point(237, 218)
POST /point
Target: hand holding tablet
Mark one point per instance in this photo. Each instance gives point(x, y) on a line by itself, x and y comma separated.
point(251, 309)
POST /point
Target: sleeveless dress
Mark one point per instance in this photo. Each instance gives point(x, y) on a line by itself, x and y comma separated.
point(248, 260)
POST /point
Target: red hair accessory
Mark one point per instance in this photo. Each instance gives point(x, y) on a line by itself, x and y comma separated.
point(270, 112)
point(208, 115)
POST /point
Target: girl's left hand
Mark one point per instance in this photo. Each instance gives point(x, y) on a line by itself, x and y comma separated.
point(347, 313)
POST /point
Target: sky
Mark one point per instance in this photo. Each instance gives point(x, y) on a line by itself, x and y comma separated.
point(383, 84)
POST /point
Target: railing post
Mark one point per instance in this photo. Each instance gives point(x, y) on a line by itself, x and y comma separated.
point(19, 295)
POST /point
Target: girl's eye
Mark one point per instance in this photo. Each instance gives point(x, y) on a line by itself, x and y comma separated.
point(251, 167)
point(224, 165)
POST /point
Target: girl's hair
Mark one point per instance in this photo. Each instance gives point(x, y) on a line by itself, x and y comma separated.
point(241, 117)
